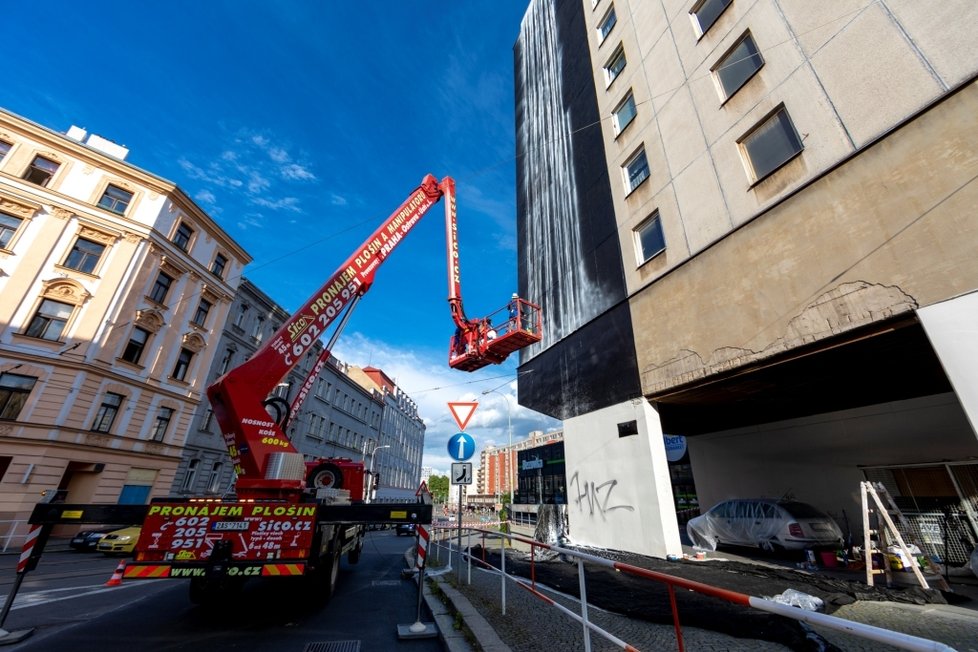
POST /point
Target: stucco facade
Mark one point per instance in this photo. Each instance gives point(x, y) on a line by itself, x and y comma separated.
point(114, 285)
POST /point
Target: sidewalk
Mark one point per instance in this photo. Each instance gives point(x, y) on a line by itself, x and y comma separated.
point(530, 624)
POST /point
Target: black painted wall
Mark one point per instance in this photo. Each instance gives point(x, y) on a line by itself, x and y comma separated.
point(595, 366)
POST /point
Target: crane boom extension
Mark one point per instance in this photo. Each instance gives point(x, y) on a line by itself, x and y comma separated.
point(268, 466)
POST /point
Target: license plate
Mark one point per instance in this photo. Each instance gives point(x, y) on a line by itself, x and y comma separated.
point(230, 526)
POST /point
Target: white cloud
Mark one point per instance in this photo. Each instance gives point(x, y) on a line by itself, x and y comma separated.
point(285, 203)
point(278, 154)
point(257, 183)
point(255, 164)
point(296, 172)
point(337, 200)
point(205, 196)
point(251, 222)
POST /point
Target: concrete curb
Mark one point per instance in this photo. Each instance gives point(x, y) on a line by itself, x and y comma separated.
point(444, 614)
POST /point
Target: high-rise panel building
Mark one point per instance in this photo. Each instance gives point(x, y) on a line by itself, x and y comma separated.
point(751, 224)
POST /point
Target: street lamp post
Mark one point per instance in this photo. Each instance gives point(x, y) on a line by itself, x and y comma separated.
point(509, 450)
point(370, 471)
point(373, 454)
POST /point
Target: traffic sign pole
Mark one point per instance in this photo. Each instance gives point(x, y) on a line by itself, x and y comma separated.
point(458, 571)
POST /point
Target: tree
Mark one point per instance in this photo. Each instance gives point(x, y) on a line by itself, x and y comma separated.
point(438, 486)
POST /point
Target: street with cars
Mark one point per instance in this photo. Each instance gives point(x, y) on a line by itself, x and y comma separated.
point(67, 603)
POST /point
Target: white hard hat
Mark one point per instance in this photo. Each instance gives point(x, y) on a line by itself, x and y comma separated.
point(516, 296)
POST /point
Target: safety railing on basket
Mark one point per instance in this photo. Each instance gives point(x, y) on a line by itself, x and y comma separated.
point(447, 536)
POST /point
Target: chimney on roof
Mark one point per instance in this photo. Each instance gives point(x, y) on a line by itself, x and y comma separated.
point(98, 143)
point(77, 133)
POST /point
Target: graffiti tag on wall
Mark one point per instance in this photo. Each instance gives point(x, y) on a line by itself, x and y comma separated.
point(595, 498)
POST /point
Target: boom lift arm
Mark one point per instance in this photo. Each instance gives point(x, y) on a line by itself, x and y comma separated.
point(268, 466)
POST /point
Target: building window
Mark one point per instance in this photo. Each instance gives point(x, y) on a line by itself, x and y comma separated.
point(8, 227)
point(738, 65)
point(614, 66)
point(14, 390)
point(607, 24)
point(226, 361)
point(214, 482)
point(208, 418)
point(770, 144)
point(624, 114)
point(636, 170)
point(115, 199)
point(649, 238)
point(182, 237)
point(41, 170)
point(107, 412)
point(182, 366)
point(162, 423)
point(136, 345)
point(257, 328)
point(188, 479)
point(217, 267)
point(706, 12)
point(84, 255)
point(161, 288)
point(239, 320)
point(203, 308)
point(49, 321)
point(4, 148)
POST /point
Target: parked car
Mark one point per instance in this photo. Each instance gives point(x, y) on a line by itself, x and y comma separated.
point(87, 540)
point(405, 528)
point(119, 542)
point(764, 523)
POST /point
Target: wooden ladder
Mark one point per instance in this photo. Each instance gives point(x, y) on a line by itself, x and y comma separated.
point(885, 529)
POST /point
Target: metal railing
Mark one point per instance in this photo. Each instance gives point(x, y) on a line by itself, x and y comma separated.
point(442, 535)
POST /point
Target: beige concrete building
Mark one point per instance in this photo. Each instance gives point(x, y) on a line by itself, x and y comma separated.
point(114, 287)
point(764, 221)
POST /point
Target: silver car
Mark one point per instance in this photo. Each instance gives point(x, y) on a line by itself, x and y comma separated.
point(765, 523)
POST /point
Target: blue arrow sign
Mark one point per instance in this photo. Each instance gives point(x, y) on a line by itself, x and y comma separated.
point(461, 446)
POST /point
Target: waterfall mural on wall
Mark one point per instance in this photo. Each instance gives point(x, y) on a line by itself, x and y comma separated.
point(569, 257)
point(554, 254)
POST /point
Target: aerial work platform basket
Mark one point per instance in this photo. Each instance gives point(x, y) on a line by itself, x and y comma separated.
point(490, 340)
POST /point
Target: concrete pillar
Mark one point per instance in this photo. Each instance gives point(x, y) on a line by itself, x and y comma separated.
point(952, 328)
point(618, 489)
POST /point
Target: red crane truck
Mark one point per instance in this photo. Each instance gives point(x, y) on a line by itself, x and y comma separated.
point(290, 516)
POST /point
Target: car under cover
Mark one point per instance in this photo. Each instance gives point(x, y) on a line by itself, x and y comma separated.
point(764, 523)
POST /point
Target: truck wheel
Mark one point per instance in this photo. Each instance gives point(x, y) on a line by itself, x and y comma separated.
point(332, 572)
point(325, 476)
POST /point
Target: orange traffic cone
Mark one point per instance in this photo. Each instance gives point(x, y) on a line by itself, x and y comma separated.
point(116, 578)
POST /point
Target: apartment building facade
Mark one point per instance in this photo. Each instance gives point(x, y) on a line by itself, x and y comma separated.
point(399, 445)
point(115, 285)
point(496, 462)
point(758, 233)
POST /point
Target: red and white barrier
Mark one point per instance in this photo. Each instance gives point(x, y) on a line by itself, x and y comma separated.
point(28, 548)
point(422, 545)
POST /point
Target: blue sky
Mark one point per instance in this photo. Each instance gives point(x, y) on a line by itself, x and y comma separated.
point(299, 127)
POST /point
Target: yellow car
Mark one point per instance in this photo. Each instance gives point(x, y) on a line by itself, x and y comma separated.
point(119, 542)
